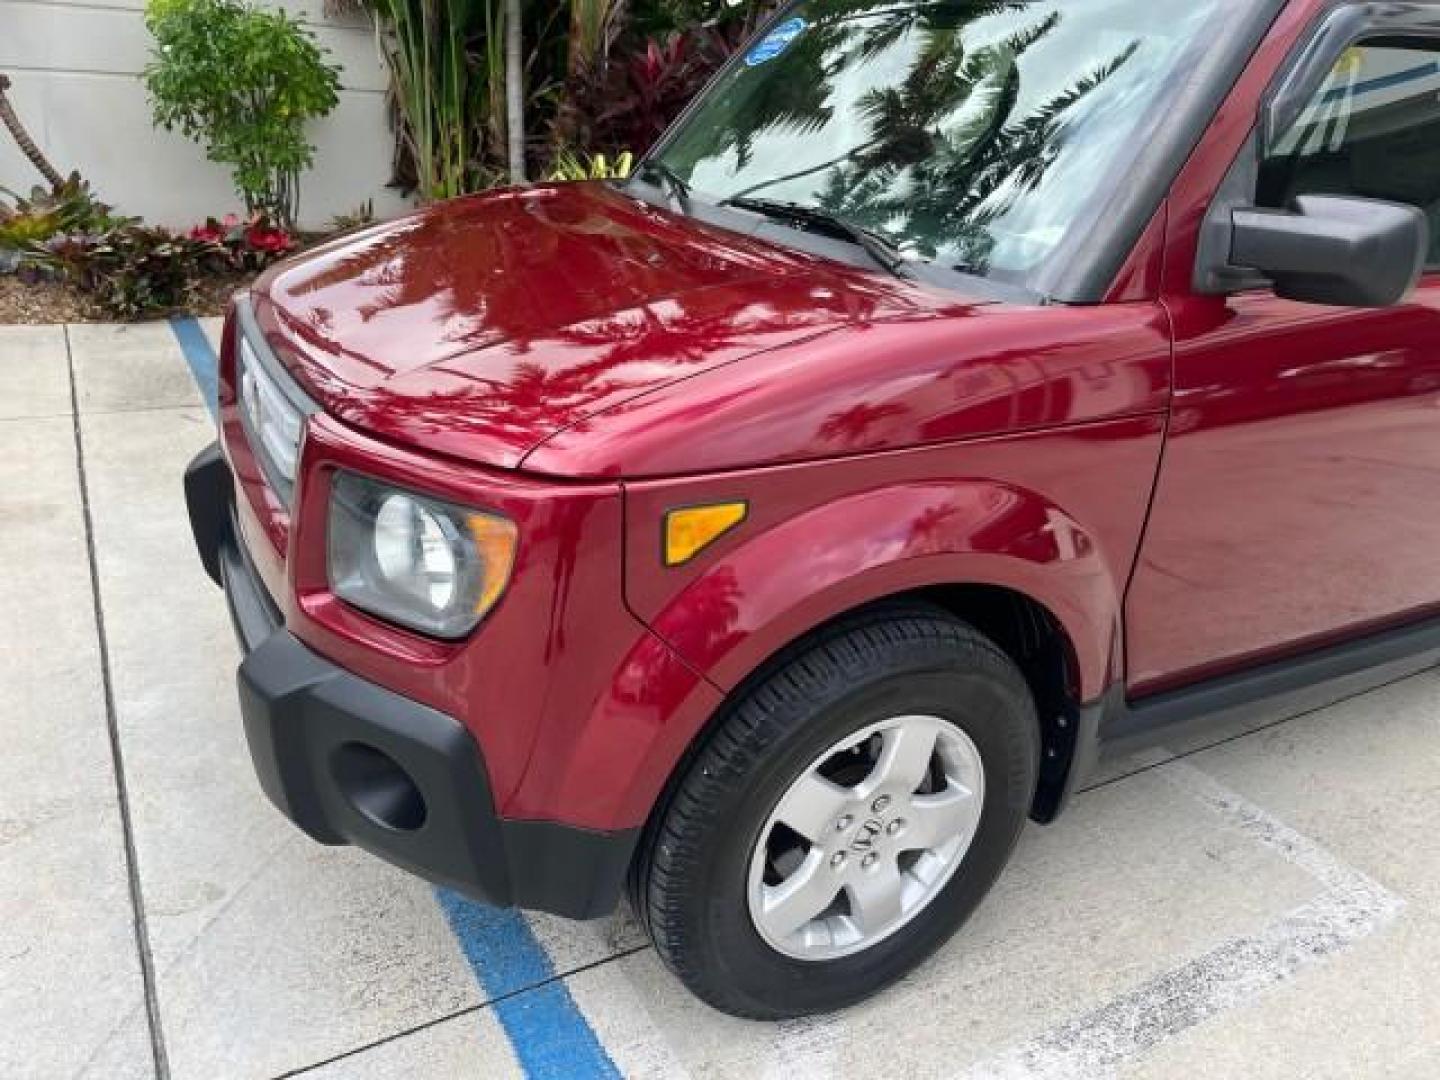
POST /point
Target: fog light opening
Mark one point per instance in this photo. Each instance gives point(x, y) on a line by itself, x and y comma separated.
point(378, 788)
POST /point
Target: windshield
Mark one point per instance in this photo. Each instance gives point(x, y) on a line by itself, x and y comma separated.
point(975, 135)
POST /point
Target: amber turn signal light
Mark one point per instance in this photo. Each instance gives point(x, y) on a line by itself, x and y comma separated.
point(691, 530)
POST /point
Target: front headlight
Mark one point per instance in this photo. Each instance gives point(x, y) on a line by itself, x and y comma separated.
point(423, 563)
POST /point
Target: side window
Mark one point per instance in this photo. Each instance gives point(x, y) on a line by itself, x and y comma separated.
point(1373, 129)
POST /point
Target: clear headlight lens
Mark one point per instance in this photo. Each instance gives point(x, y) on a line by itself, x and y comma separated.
point(421, 562)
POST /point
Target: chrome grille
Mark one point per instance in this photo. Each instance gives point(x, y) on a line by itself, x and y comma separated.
point(272, 408)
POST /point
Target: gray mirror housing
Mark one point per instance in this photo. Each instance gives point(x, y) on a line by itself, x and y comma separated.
point(1338, 250)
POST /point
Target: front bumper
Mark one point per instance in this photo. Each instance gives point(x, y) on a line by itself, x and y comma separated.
point(351, 762)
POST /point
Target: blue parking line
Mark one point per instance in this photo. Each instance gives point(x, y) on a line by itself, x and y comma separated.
point(200, 357)
point(550, 1035)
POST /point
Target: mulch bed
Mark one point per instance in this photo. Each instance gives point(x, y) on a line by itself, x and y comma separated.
point(49, 303)
point(56, 302)
point(213, 293)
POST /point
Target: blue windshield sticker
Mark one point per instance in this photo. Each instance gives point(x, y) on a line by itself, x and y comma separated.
point(775, 42)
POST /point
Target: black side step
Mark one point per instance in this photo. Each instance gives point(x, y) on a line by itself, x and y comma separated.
point(1275, 690)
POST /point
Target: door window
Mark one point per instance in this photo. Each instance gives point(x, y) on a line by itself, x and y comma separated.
point(1373, 129)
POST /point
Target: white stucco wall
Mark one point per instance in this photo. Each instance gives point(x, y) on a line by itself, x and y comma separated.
point(75, 65)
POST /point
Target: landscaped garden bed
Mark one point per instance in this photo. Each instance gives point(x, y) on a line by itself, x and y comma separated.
point(61, 302)
point(67, 257)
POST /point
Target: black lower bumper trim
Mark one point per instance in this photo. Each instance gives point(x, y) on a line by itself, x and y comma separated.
point(306, 720)
point(209, 492)
point(351, 762)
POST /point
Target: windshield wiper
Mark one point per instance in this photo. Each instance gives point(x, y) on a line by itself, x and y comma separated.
point(881, 250)
point(675, 185)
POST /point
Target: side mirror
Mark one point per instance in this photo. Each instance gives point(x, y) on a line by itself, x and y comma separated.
point(1337, 250)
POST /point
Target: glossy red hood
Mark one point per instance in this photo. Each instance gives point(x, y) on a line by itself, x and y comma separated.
point(482, 327)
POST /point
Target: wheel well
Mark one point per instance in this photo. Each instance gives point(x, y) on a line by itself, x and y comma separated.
point(1034, 639)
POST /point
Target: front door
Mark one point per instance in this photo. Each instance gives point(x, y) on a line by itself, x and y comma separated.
point(1299, 496)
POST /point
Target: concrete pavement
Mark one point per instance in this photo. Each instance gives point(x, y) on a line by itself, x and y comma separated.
point(1268, 907)
point(69, 961)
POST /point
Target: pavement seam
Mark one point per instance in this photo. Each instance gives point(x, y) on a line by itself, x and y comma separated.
point(37, 416)
point(469, 1010)
point(132, 410)
point(102, 412)
point(122, 793)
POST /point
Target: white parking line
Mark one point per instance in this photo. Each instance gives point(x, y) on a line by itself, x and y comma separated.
point(1091, 1046)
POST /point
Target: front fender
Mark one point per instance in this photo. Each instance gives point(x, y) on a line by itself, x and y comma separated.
point(792, 578)
point(1026, 513)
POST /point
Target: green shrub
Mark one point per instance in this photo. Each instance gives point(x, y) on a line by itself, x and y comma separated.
point(134, 272)
point(243, 81)
point(569, 166)
point(446, 82)
point(69, 208)
point(26, 228)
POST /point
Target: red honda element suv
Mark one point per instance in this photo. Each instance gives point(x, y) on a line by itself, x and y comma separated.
point(958, 389)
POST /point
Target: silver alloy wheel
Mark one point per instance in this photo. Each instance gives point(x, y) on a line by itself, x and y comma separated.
point(866, 837)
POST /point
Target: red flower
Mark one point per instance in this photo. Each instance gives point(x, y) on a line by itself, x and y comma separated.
point(224, 231)
point(209, 233)
point(267, 238)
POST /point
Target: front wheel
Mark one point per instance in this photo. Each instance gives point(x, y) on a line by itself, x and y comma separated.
point(849, 813)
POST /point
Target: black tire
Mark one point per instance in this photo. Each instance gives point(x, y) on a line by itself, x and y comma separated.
point(690, 879)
